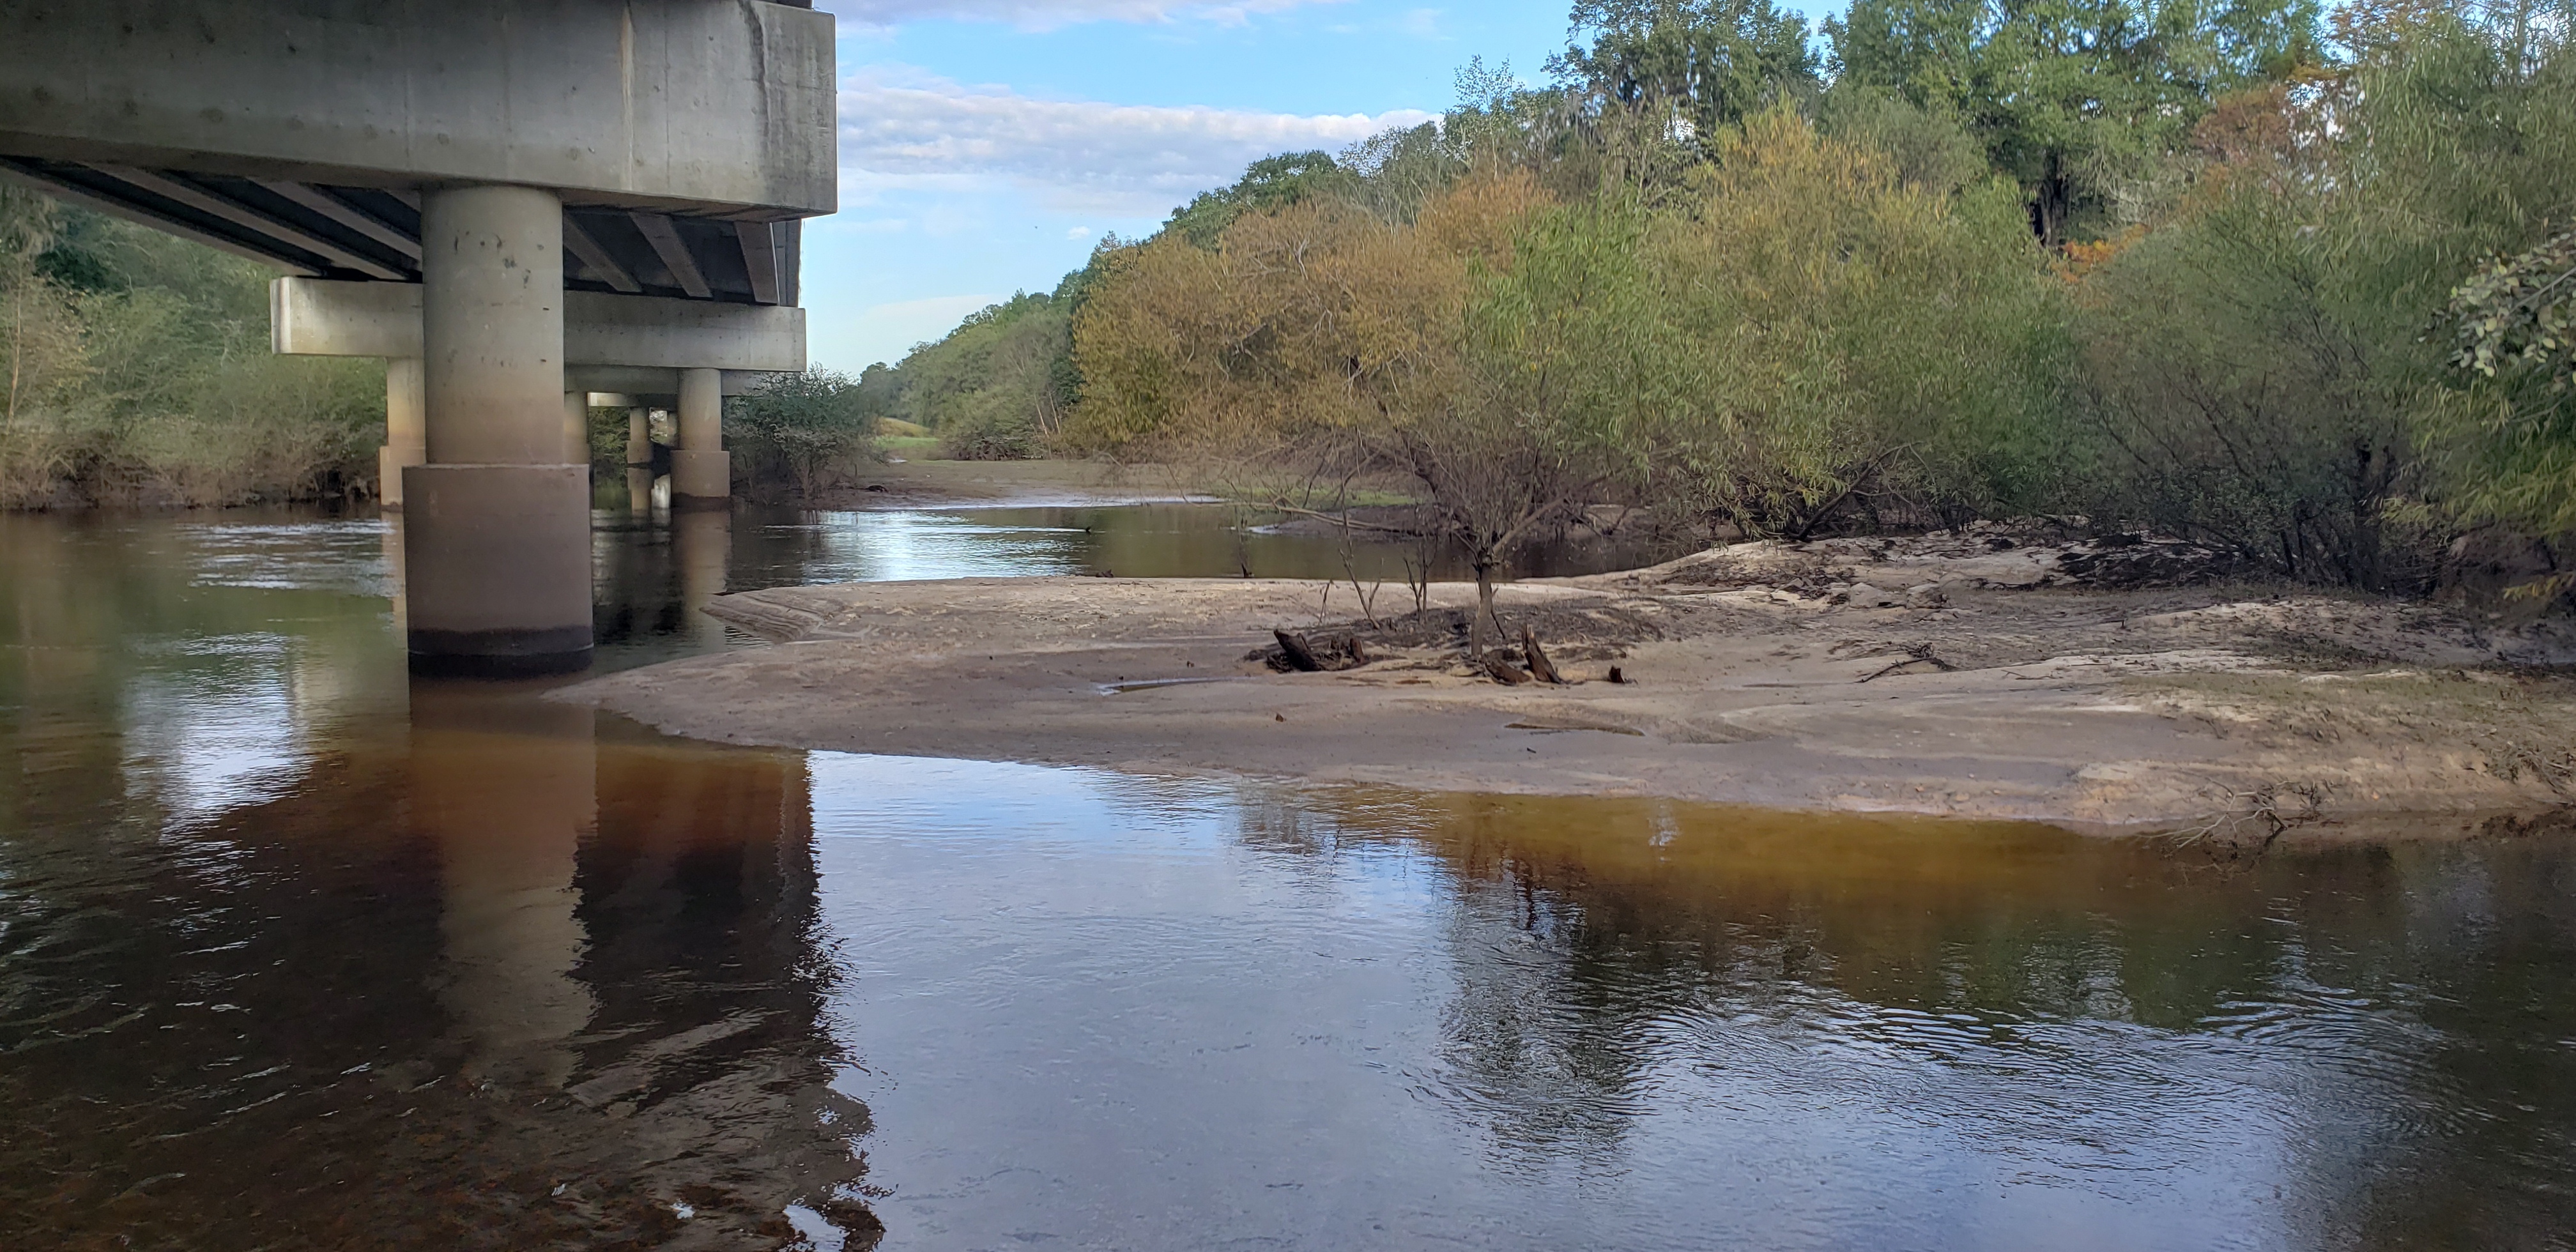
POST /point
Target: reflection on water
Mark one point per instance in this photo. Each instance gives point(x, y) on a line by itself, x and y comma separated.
point(297, 953)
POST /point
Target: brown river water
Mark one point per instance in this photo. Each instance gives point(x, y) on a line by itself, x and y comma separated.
point(296, 952)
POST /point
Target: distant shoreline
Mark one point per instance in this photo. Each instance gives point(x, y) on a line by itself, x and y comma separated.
point(1006, 484)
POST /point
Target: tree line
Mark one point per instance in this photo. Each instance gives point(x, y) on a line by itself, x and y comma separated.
point(138, 372)
point(2289, 281)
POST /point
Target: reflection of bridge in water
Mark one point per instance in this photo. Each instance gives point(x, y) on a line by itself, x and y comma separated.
point(522, 207)
point(570, 994)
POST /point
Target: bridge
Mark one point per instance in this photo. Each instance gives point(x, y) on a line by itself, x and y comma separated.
point(516, 203)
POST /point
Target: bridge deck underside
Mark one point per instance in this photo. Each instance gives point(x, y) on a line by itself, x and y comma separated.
point(373, 234)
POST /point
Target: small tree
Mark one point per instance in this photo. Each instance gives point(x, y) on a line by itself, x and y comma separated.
point(812, 428)
point(1565, 370)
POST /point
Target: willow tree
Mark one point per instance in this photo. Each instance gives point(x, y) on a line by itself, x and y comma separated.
point(1477, 352)
point(1862, 343)
point(1565, 372)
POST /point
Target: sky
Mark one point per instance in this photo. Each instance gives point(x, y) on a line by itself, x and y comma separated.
point(987, 145)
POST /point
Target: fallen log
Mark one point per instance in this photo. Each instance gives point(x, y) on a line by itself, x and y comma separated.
point(1301, 655)
point(1502, 670)
point(1539, 665)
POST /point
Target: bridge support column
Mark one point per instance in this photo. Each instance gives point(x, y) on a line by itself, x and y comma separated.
point(702, 540)
point(406, 439)
point(701, 473)
point(497, 523)
point(639, 460)
point(576, 429)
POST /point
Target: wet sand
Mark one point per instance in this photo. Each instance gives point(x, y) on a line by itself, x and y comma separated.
point(2212, 711)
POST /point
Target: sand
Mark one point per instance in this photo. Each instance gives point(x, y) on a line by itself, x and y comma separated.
point(2002, 683)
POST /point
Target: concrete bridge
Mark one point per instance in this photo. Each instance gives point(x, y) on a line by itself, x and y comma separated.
point(517, 203)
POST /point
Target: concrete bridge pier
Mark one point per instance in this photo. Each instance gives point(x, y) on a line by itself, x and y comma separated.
point(576, 429)
point(497, 523)
point(406, 437)
point(702, 540)
point(701, 473)
point(639, 460)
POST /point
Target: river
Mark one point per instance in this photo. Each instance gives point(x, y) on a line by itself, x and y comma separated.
point(296, 952)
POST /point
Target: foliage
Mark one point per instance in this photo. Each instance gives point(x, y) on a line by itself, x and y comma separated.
point(1705, 64)
point(1866, 343)
point(2242, 406)
point(139, 371)
point(996, 387)
point(2517, 315)
point(2184, 264)
point(2479, 125)
point(812, 429)
point(2262, 359)
point(2076, 100)
point(1267, 186)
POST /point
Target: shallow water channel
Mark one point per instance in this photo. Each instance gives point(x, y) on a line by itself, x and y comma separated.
point(298, 953)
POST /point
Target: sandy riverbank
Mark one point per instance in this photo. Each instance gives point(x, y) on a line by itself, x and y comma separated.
point(2014, 681)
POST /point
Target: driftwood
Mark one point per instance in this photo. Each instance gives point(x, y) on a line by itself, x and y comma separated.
point(1300, 654)
point(1921, 652)
point(1539, 665)
point(1502, 670)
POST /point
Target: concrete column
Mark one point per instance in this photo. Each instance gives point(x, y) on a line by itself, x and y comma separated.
point(576, 430)
point(406, 438)
point(702, 542)
point(639, 460)
point(701, 474)
point(497, 525)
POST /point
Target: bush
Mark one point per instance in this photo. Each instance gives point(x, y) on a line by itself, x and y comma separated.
point(996, 387)
point(139, 373)
point(809, 432)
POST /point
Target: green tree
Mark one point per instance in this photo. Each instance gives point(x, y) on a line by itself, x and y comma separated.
point(2074, 99)
point(1267, 186)
point(811, 429)
point(139, 372)
point(996, 388)
point(1867, 349)
point(1704, 64)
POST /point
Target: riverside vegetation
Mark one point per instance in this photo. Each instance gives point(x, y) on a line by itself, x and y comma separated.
point(139, 373)
point(2292, 283)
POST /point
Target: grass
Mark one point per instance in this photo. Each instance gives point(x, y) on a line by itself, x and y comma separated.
point(910, 447)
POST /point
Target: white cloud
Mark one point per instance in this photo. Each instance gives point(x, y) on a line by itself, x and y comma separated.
point(1078, 232)
point(902, 130)
point(1050, 14)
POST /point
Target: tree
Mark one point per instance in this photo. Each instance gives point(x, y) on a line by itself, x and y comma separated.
point(2074, 99)
point(810, 428)
point(1267, 186)
point(1864, 345)
point(1565, 370)
point(1473, 352)
point(995, 389)
point(1705, 64)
